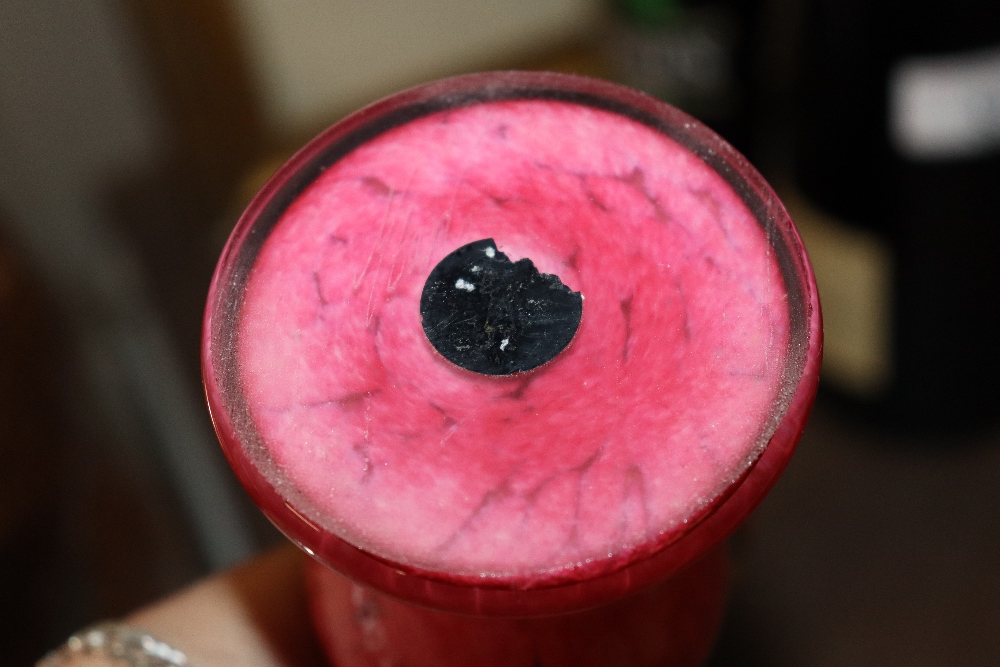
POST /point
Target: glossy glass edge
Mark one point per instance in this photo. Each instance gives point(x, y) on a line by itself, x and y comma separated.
point(466, 594)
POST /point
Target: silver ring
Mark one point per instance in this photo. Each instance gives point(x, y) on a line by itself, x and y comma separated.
point(119, 642)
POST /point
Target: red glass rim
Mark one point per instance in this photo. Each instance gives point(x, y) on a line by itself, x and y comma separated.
point(466, 594)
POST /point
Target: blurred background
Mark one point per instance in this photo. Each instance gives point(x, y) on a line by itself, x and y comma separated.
point(132, 132)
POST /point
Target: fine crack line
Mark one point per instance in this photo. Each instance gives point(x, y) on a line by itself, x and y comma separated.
point(626, 308)
point(501, 491)
point(581, 471)
point(375, 183)
point(347, 401)
point(598, 203)
point(682, 298)
point(518, 392)
point(497, 200)
point(397, 268)
point(715, 208)
point(390, 199)
point(319, 290)
point(637, 180)
point(386, 225)
point(573, 261)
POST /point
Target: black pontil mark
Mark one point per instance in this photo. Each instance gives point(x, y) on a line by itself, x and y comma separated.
point(496, 317)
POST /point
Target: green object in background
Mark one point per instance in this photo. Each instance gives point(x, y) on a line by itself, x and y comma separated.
point(651, 13)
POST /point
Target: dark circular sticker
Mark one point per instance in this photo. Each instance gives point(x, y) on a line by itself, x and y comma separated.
point(496, 317)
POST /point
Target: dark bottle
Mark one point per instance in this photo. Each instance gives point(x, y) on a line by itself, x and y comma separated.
point(899, 135)
point(694, 54)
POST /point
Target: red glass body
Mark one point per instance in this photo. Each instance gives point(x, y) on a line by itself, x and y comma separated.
point(673, 591)
point(673, 622)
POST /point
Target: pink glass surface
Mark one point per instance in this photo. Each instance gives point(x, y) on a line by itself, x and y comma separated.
point(635, 451)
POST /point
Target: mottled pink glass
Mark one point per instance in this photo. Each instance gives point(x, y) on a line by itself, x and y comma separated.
point(659, 601)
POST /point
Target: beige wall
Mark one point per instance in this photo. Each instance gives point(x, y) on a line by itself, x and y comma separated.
point(315, 58)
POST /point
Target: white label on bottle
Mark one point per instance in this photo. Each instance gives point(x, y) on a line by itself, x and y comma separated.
point(945, 107)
